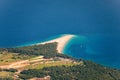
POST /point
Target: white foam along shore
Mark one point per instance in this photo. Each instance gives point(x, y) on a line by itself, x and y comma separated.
point(62, 41)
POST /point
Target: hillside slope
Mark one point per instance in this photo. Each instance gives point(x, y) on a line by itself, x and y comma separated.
point(88, 71)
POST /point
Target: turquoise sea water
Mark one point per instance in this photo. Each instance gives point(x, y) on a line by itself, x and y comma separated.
point(103, 49)
point(100, 48)
point(95, 22)
point(29, 43)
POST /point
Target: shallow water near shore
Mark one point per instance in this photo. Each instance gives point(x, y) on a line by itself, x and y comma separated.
point(102, 49)
point(95, 23)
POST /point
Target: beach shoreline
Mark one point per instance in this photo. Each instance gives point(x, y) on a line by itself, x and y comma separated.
point(62, 41)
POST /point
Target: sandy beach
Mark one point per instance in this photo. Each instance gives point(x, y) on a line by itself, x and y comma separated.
point(62, 41)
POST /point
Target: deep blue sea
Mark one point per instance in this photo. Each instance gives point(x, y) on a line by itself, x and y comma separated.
point(96, 22)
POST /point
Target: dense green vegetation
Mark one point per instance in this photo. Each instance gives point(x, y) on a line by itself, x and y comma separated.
point(90, 71)
point(6, 79)
point(48, 50)
point(10, 70)
point(87, 71)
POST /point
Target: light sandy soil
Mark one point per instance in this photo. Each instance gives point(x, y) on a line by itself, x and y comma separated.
point(21, 64)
